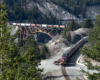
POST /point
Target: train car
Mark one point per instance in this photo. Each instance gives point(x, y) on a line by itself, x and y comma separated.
point(14, 24)
point(28, 24)
point(63, 59)
point(23, 24)
point(70, 52)
point(55, 26)
point(38, 25)
point(18, 24)
point(49, 26)
point(62, 26)
point(33, 25)
point(44, 25)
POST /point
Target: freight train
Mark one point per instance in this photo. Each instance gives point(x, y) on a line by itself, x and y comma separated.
point(69, 52)
point(75, 19)
point(38, 25)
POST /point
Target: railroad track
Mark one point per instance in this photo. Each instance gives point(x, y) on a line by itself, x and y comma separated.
point(75, 74)
point(47, 76)
point(64, 73)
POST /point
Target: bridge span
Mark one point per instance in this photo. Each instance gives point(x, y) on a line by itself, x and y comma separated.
point(27, 29)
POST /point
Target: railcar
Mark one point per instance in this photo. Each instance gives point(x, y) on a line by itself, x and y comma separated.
point(28, 24)
point(14, 24)
point(44, 25)
point(69, 52)
point(33, 25)
point(49, 26)
point(18, 24)
point(62, 26)
point(55, 26)
point(23, 24)
point(38, 25)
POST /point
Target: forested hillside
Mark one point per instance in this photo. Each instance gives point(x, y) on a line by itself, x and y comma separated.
point(19, 10)
point(76, 7)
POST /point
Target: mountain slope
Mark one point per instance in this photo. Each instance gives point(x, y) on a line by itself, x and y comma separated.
point(46, 11)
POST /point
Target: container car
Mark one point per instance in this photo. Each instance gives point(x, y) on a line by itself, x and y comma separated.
point(28, 24)
point(44, 25)
point(62, 26)
point(38, 25)
point(18, 24)
point(22, 24)
point(69, 52)
point(14, 24)
point(55, 26)
point(49, 26)
point(33, 25)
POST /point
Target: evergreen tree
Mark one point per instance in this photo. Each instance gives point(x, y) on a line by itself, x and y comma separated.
point(44, 51)
point(14, 66)
point(69, 37)
point(93, 51)
point(87, 23)
point(73, 25)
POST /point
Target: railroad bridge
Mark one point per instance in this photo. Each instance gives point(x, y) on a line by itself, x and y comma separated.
point(28, 29)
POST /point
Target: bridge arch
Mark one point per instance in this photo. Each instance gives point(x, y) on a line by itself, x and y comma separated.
point(26, 31)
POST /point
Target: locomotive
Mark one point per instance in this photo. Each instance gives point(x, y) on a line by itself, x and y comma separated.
point(69, 52)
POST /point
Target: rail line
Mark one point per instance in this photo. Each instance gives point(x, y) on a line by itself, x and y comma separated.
point(75, 74)
point(47, 76)
point(64, 73)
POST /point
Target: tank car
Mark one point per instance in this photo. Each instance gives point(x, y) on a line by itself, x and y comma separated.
point(70, 51)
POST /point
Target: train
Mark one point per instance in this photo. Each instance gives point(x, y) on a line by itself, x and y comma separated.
point(75, 19)
point(65, 57)
point(38, 25)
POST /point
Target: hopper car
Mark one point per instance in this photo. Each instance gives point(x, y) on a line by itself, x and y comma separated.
point(70, 52)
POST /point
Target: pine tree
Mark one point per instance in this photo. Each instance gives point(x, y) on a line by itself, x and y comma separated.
point(69, 36)
point(88, 23)
point(44, 51)
point(14, 66)
point(93, 51)
point(73, 25)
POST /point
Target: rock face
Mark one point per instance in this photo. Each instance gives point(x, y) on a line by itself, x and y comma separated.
point(47, 6)
point(93, 11)
point(76, 38)
point(42, 37)
point(78, 34)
